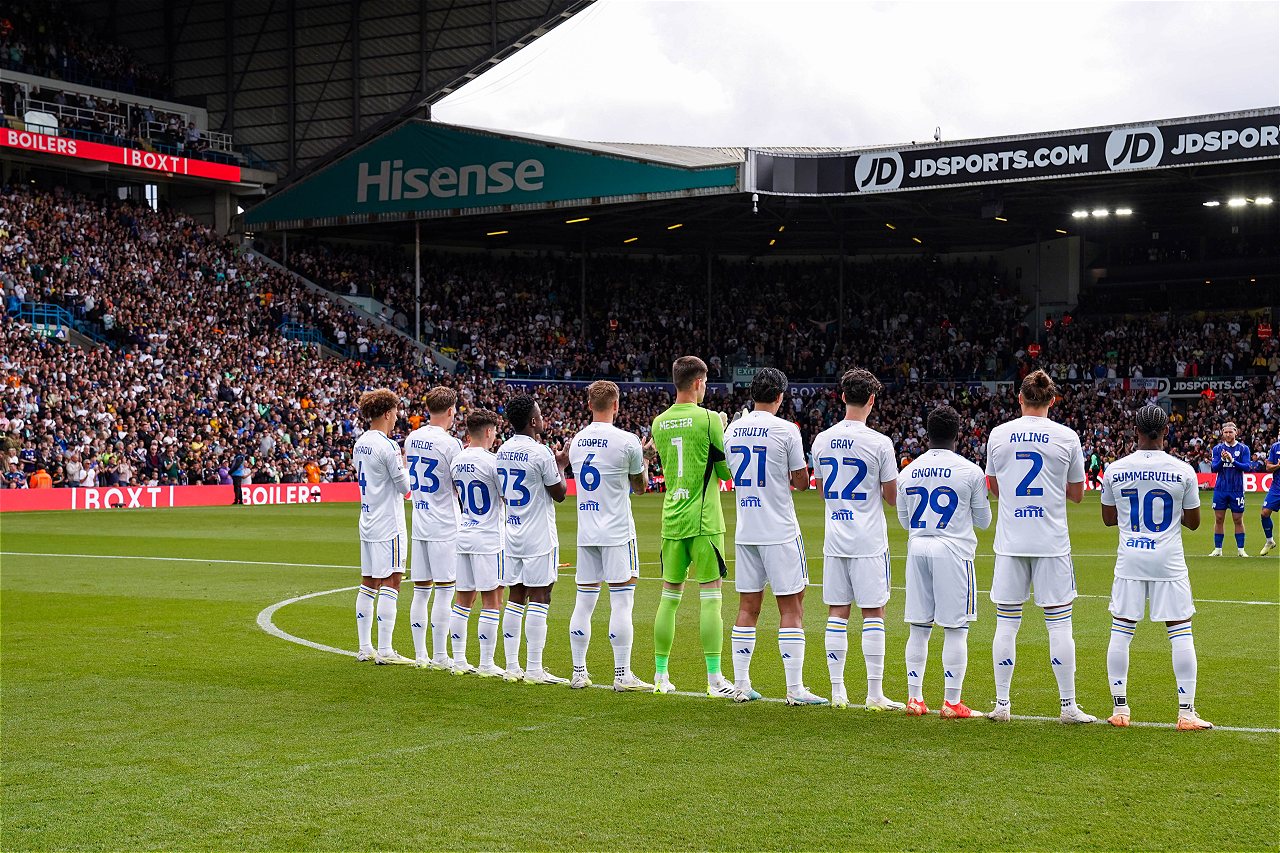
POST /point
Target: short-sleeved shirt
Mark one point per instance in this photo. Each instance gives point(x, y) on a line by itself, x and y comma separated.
point(690, 441)
point(1273, 456)
point(1230, 480)
point(429, 452)
point(481, 529)
point(940, 496)
point(853, 461)
point(1150, 489)
point(1032, 460)
point(383, 484)
point(763, 450)
point(525, 469)
point(603, 459)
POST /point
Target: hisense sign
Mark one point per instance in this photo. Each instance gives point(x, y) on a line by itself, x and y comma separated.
point(388, 180)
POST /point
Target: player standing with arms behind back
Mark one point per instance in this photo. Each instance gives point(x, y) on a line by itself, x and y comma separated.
point(383, 484)
point(1271, 503)
point(766, 455)
point(857, 469)
point(608, 463)
point(1035, 466)
point(690, 440)
point(941, 497)
point(1149, 495)
point(1230, 459)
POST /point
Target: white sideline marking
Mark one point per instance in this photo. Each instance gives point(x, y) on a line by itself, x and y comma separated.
point(562, 574)
point(265, 623)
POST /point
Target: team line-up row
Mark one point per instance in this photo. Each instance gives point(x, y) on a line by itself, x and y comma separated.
point(485, 520)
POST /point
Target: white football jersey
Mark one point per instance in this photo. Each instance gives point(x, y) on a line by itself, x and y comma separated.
point(525, 469)
point(383, 483)
point(1033, 459)
point(1150, 489)
point(942, 495)
point(762, 451)
point(603, 458)
point(852, 461)
point(429, 452)
point(475, 474)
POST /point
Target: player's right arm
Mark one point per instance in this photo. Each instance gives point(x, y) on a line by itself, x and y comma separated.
point(979, 505)
point(395, 468)
point(888, 468)
point(1075, 472)
point(795, 460)
point(1215, 458)
point(638, 456)
point(1190, 500)
point(718, 457)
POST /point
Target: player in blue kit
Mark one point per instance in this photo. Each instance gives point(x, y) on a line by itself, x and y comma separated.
point(1231, 459)
point(1271, 503)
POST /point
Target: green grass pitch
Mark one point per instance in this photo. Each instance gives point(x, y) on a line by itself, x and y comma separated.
point(143, 708)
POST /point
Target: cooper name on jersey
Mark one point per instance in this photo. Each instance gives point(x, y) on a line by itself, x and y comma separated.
point(593, 442)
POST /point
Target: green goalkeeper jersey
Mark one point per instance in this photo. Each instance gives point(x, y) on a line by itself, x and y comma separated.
point(690, 441)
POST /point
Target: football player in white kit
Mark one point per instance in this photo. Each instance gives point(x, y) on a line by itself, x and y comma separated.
point(857, 469)
point(433, 551)
point(942, 497)
point(481, 542)
point(532, 477)
point(766, 456)
point(1150, 495)
point(1034, 466)
point(608, 464)
point(383, 484)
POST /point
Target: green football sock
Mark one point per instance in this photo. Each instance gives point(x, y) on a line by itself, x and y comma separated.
point(712, 628)
point(664, 627)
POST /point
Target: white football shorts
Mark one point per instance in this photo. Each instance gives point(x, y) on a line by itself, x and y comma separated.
point(608, 563)
point(782, 566)
point(860, 580)
point(942, 586)
point(433, 561)
point(480, 572)
point(1170, 600)
point(381, 559)
point(538, 571)
point(1053, 578)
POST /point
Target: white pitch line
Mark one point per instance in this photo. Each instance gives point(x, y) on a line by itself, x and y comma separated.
point(562, 574)
point(265, 623)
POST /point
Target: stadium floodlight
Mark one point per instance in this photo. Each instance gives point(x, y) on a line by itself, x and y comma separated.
point(891, 227)
point(674, 227)
point(1060, 231)
point(1100, 213)
point(781, 228)
point(1001, 219)
point(1079, 214)
point(773, 242)
point(1236, 202)
point(631, 239)
point(495, 233)
point(1212, 203)
point(918, 240)
point(576, 221)
point(1262, 199)
point(1123, 211)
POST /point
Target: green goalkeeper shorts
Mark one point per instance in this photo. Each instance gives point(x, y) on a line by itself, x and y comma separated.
point(705, 553)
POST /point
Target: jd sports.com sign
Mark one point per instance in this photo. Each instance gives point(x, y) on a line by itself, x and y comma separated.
point(1153, 146)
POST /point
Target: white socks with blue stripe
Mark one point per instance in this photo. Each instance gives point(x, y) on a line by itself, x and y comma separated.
point(441, 617)
point(535, 631)
point(418, 608)
point(622, 601)
point(1062, 651)
point(742, 641)
point(580, 625)
point(873, 653)
point(512, 622)
point(1004, 648)
point(791, 647)
point(1184, 664)
point(487, 633)
point(1118, 660)
point(837, 647)
point(364, 616)
point(387, 598)
point(458, 618)
point(917, 659)
point(955, 660)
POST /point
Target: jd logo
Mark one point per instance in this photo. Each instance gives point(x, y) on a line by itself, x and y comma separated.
point(1135, 148)
point(879, 171)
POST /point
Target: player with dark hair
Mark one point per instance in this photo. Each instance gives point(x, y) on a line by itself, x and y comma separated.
point(1230, 459)
point(1271, 503)
point(942, 497)
point(1149, 495)
point(766, 455)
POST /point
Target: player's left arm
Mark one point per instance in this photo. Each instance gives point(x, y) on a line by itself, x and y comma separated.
point(1249, 464)
point(795, 460)
point(717, 457)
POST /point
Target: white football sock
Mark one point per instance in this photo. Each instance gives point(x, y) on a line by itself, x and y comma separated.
point(837, 646)
point(512, 622)
point(873, 654)
point(441, 616)
point(1062, 651)
point(387, 598)
point(418, 609)
point(1118, 660)
point(622, 602)
point(791, 647)
point(1004, 648)
point(580, 625)
point(364, 616)
point(743, 641)
point(917, 659)
point(1184, 664)
point(535, 630)
point(458, 618)
point(955, 660)
point(487, 634)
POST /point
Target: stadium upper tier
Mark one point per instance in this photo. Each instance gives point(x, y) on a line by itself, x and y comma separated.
point(212, 352)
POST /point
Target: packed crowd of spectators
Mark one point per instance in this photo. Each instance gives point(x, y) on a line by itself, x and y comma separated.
point(47, 39)
point(199, 371)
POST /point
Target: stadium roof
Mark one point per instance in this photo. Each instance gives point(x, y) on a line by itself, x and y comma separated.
point(737, 201)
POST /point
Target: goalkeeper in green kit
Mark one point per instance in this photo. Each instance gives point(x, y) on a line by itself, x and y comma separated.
point(690, 440)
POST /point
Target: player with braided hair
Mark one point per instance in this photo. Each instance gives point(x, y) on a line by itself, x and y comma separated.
point(1148, 494)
